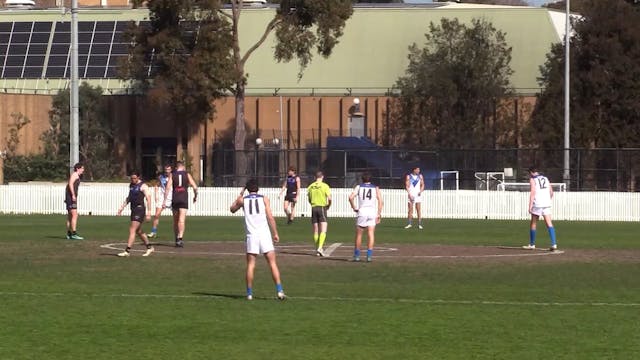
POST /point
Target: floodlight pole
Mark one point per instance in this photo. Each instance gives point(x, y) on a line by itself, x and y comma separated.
point(74, 103)
point(566, 176)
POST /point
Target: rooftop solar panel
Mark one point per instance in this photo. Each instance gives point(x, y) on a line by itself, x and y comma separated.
point(22, 26)
point(103, 38)
point(5, 27)
point(14, 60)
point(42, 26)
point(12, 72)
point(32, 72)
point(40, 38)
point(35, 61)
point(38, 49)
point(60, 49)
point(105, 26)
point(63, 26)
point(20, 38)
point(55, 72)
point(86, 26)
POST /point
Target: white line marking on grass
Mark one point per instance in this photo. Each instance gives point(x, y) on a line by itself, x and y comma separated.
point(121, 246)
point(338, 299)
point(331, 249)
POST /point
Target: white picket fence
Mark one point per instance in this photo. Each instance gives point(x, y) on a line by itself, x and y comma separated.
point(104, 199)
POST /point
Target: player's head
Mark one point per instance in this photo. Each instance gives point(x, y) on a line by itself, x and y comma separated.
point(167, 168)
point(319, 175)
point(415, 170)
point(179, 165)
point(135, 176)
point(532, 170)
point(291, 171)
point(366, 177)
point(79, 168)
point(252, 186)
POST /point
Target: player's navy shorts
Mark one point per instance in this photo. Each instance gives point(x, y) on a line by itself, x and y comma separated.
point(71, 205)
point(290, 197)
point(138, 213)
point(180, 200)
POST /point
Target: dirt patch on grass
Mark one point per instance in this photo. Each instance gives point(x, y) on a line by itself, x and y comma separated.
point(394, 253)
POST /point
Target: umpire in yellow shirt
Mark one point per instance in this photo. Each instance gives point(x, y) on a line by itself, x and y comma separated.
point(319, 194)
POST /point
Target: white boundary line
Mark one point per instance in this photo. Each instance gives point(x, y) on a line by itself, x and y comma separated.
point(338, 299)
point(329, 250)
point(335, 246)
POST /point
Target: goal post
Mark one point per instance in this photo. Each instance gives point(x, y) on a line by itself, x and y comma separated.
point(452, 180)
point(516, 186)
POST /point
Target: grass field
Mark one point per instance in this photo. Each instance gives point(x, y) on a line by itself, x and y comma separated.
point(64, 299)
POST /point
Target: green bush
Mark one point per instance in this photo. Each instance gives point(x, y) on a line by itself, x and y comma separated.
point(21, 168)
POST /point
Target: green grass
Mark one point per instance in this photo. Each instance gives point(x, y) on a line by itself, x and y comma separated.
point(62, 299)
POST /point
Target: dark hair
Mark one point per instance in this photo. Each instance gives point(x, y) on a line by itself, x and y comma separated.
point(366, 177)
point(532, 169)
point(292, 168)
point(77, 166)
point(134, 172)
point(252, 186)
point(415, 167)
point(319, 174)
point(179, 163)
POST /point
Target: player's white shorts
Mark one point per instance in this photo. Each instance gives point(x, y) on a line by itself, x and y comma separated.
point(541, 211)
point(365, 221)
point(417, 198)
point(259, 244)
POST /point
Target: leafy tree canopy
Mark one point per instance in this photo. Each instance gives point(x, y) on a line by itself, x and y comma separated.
point(605, 81)
point(449, 94)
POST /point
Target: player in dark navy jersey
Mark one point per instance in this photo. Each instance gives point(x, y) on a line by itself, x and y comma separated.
point(139, 199)
point(292, 187)
point(71, 201)
point(178, 185)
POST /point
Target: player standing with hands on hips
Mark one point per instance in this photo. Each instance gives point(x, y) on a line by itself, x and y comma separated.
point(414, 184)
point(540, 205)
point(259, 226)
point(139, 198)
point(369, 209)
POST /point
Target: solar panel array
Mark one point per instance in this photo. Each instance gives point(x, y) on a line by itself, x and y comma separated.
point(31, 50)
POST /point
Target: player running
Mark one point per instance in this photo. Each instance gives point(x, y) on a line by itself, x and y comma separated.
point(139, 198)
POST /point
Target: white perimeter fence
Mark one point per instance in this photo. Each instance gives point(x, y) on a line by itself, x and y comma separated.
point(104, 199)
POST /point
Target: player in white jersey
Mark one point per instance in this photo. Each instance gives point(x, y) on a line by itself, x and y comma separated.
point(540, 205)
point(161, 203)
point(369, 209)
point(414, 184)
point(259, 226)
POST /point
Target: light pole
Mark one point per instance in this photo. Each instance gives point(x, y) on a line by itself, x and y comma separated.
point(566, 175)
point(74, 103)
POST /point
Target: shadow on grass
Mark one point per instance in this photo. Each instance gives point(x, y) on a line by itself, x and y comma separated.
point(220, 295)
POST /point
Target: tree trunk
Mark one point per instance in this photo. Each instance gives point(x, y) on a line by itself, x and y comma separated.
point(240, 136)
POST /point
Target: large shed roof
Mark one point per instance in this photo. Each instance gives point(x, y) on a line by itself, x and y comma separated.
point(370, 57)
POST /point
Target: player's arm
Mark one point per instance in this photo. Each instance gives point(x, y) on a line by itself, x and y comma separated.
point(72, 179)
point(532, 193)
point(380, 202)
point(126, 201)
point(237, 204)
point(284, 187)
point(550, 190)
point(421, 184)
point(271, 220)
point(194, 186)
point(147, 195)
point(297, 187)
point(168, 187)
point(328, 191)
point(352, 198)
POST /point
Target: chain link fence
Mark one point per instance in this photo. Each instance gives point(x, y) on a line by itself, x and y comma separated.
point(590, 169)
